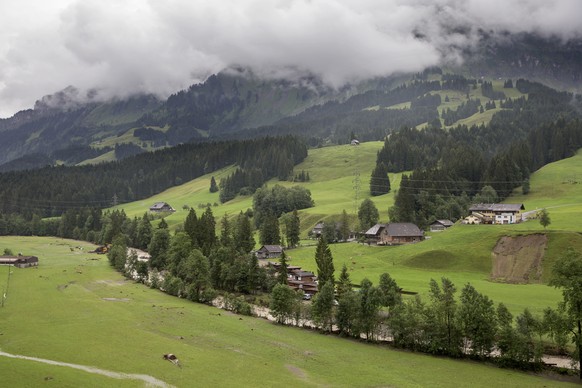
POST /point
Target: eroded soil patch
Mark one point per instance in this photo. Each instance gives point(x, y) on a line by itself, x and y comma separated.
point(519, 259)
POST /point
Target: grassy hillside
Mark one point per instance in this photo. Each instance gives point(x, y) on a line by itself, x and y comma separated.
point(333, 171)
point(74, 308)
point(462, 253)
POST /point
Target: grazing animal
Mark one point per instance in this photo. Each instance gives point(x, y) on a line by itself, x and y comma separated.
point(172, 358)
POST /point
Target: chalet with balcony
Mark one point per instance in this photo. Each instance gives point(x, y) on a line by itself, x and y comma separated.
point(495, 213)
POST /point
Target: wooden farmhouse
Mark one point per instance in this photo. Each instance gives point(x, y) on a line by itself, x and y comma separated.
point(394, 234)
point(299, 279)
point(19, 261)
point(495, 213)
point(440, 225)
point(161, 207)
point(302, 280)
point(317, 230)
point(269, 251)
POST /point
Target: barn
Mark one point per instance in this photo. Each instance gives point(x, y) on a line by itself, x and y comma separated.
point(19, 261)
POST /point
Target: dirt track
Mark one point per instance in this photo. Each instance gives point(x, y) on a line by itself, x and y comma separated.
point(149, 380)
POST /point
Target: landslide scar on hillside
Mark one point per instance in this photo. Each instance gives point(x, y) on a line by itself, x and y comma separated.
point(519, 259)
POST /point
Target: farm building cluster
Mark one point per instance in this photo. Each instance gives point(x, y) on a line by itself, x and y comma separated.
point(19, 261)
point(495, 213)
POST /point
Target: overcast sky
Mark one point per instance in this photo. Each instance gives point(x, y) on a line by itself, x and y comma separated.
point(121, 47)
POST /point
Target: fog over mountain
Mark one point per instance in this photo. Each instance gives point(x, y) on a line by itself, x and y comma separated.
point(109, 48)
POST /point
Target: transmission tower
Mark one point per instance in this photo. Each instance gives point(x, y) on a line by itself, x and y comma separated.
point(356, 180)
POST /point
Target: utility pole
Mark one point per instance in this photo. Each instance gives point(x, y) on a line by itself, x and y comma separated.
point(7, 285)
point(356, 181)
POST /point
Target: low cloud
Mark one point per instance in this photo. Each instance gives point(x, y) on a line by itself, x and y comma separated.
point(121, 48)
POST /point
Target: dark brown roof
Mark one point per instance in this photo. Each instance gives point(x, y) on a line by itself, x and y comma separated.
point(272, 248)
point(17, 259)
point(404, 229)
point(375, 230)
point(303, 273)
point(159, 206)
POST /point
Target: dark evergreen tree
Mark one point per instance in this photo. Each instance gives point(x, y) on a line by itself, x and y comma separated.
point(283, 272)
point(158, 248)
point(269, 231)
point(191, 227)
point(292, 229)
point(243, 234)
point(226, 233)
point(207, 231)
point(213, 185)
point(379, 181)
point(324, 262)
point(144, 232)
point(344, 284)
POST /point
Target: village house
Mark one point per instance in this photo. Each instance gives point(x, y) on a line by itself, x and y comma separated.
point(495, 213)
point(440, 225)
point(19, 261)
point(394, 234)
point(161, 207)
point(299, 279)
point(317, 230)
point(269, 251)
point(302, 280)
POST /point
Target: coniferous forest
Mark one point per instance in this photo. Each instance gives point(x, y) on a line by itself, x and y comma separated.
point(52, 190)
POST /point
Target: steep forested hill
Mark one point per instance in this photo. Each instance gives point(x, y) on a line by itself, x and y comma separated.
point(239, 104)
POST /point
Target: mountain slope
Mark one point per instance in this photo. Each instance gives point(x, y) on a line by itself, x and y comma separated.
point(237, 103)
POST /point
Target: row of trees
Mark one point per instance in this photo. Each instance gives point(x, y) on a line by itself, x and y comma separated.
point(446, 191)
point(447, 323)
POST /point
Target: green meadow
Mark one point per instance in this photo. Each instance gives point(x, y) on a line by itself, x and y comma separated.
point(74, 308)
point(462, 253)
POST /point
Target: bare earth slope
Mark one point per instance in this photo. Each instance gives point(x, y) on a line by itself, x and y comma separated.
point(519, 259)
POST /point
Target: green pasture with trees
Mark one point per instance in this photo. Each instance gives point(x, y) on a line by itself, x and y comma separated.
point(76, 309)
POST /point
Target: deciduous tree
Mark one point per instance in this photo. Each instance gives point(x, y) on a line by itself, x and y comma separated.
point(322, 307)
point(567, 276)
point(282, 303)
point(368, 214)
point(544, 218)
